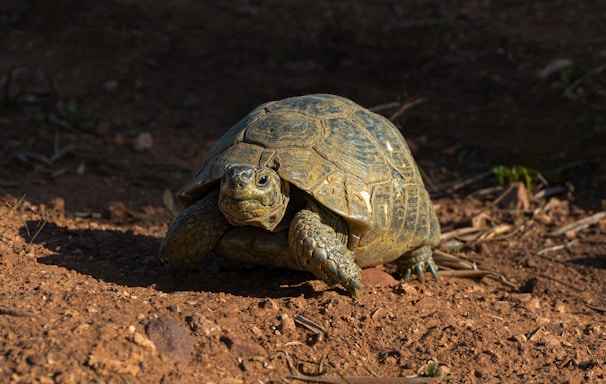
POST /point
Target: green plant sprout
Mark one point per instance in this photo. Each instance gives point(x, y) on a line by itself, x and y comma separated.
point(73, 115)
point(320, 368)
point(432, 369)
point(515, 173)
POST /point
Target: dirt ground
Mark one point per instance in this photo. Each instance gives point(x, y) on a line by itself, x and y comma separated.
point(108, 107)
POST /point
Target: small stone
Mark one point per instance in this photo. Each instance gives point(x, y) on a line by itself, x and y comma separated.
point(533, 303)
point(57, 207)
point(570, 234)
point(116, 211)
point(374, 277)
point(405, 289)
point(256, 331)
point(35, 359)
point(175, 308)
point(142, 341)
point(287, 324)
point(521, 338)
point(143, 141)
point(200, 325)
point(586, 364)
point(243, 347)
point(170, 338)
point(268, 304)
point(65, 378)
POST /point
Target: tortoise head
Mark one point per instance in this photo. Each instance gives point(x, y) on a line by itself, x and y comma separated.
point(253, 195)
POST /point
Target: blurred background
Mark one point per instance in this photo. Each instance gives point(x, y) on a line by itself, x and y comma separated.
point(120, 100)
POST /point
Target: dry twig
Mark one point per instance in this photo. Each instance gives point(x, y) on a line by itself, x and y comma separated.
point(310, 325)
point(559, 281)
point(579, 224)
point(406, 106)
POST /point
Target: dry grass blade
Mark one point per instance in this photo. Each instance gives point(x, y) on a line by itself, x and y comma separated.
point(458, 267)
point(15, 312)
point(459, 232)
point(448, 261)
point(383, 107)
point(406, 106)
point(579, 289)
point(39, 226)
point(580, 224)
point(365, 379)
point(310, 325)
point(458, 184)
point(14, 207)
point(169, 202)
point(599, 309)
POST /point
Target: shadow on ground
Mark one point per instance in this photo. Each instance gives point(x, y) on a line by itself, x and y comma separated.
point(129, 259)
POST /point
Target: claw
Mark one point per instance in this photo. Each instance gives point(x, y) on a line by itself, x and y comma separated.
point(433, 269)
point(407, 273)
point(419, 261)
point(420, 272)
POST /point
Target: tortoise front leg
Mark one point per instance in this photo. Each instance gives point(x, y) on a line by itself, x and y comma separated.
point(318, 250)
point(192, 234)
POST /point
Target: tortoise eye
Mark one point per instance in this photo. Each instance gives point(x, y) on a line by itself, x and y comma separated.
point(263, 181)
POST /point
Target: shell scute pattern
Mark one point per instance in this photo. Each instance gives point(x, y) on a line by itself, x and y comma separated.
point(352, 161)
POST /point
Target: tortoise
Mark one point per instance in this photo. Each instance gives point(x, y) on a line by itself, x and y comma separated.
point(315, 183)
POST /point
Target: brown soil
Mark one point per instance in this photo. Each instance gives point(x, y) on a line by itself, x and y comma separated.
point(83, 297)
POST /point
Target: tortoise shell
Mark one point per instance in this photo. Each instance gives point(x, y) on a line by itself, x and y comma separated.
point(352, 161)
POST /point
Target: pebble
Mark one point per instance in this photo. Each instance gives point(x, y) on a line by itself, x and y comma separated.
point(200, 325)
point(170, 338)
point(243, 347)
point(374, 277)
point(143, 141)
point(268, 304)
point(287, 324)
point(65, 378)
point(35, 359)
point(116, 211)
point(142, 341)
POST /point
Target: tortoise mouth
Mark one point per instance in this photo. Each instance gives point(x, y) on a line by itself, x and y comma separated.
point(246, 209)
point(248, 212)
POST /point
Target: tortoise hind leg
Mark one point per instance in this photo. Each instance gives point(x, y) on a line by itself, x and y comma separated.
point(318, 249)
point(419, 261)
